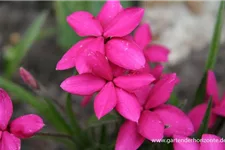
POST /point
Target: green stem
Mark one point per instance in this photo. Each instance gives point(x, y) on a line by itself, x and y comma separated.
point(69, 108)
point(103, 134)
point(213, 53)
point(56, 135)
point(205, 122)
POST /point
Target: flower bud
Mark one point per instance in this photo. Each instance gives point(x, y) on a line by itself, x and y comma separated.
point(28, 78)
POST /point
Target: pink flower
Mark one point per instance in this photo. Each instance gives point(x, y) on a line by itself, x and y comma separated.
point(104, 34)
point(22, 127)
point(160, 120)
point(174, 119)
point(114, 91)
point(207, 142)
point(153, 125)
point(197, 113)
point(131, 134)
point(153, 52)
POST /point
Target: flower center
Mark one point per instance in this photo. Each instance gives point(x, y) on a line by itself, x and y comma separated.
point(106, 40)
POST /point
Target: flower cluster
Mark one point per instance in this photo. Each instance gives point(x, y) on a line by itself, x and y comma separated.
point(115, 64)
point(20, 128)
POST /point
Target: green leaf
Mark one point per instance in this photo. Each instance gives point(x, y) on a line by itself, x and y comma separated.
point(15, 54)
point(204, 125)
point(66, 36)
point(45, 108)
point(69, 108)
point(108, 119)
point(212, 57)
point(174, 100)
point(95, 6)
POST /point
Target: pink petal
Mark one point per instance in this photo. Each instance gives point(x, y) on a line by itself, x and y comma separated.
point(84, 84)
point(196, 115)
point(128, 138)
point(142, 94)
point(124, 23)
point(9, 142)
point(157, 71)
point(161, 91)
point(146, 69)
point(6, 109)
point(176, 120)
point(86, 100)
point(105, 101)
point(26, 126)
point(211, 87)
point(84, 24)
point(125, 54)
point(150, 126)
point(219, 110)
point(99, 65)
point(69, 58)
point(143, 35)
point(184, 143)
point(156, 53)
point(109, 10)
point(133, 82)
point(211, 142)
point(117, 71)
point(95, 45)
point(128, 105)
point(130, 38)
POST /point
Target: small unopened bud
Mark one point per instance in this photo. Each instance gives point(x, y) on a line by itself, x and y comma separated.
point(28, 78)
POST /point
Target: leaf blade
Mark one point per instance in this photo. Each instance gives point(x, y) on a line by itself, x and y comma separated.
point(214, 48)
point(204, 125)
point(17, 53)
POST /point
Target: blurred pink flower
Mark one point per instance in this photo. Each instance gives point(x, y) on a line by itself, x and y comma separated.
point(197, 113)
point(22, 127)
point(207, 142)
point(104, 34)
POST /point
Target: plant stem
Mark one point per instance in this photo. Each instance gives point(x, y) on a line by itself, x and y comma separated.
point(56, 135)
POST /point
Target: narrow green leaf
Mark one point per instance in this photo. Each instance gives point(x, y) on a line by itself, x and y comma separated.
point(46, 110)
point(212, 57)
point(174, 100)
point(95, 6)
point(66, 36)
point(204, 125)
point(108, 119)
point(15, 54)
point(69, 108)
point(58, 117)
point(69, 144)
point(103, 136)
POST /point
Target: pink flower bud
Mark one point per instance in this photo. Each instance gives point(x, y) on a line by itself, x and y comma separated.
point(28, 78)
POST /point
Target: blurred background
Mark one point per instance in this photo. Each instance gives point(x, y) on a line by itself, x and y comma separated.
point(36, 35)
